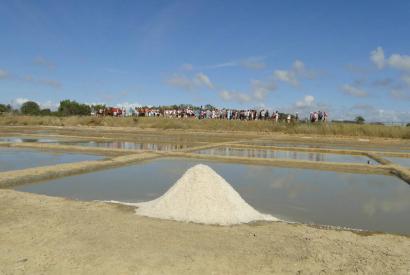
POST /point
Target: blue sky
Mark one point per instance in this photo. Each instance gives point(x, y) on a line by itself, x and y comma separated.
point(345, 57)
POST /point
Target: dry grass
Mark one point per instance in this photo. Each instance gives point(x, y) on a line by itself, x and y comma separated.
point(215, 125)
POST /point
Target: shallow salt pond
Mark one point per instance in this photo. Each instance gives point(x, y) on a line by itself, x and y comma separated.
point(28, 139)
point(260, 153)
point(14, 159)
point(363, 147)
point(131, 145)
point(363, 201)
point(401, 161)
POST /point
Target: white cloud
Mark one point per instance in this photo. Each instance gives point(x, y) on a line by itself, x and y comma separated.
point(253, 63)
point(222, 65)
point(400, 62)
point(129, 105)
point(200, 80)
point(261, 89)
point(182, 82)
point(231, 96)
point(4, 74)
point(203, 80)
point(49, 105)
point(377, 57)
point(395, 61)
point(373, 114)
point(293, 75)
point(17, 102)
point(353, 91)
point(307, 101)
point(286, 76)
point(41, 61)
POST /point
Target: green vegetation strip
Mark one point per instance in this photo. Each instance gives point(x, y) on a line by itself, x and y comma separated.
point(325, 129)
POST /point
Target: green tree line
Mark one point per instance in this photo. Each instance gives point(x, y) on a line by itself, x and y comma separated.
point(66, 108)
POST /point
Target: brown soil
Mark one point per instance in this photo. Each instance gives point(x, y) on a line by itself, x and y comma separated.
point(45, 235)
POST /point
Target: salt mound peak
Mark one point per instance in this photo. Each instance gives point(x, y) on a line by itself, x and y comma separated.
point(202, 196)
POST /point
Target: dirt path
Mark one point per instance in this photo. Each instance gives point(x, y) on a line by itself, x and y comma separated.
point(40, 234)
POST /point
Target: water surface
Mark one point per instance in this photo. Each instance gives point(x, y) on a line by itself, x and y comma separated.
point(131, 145)
point(364, 147)
point(372, 202)
point(260, 153)
point(13, 159)
point(401, 161)
point(28, 139)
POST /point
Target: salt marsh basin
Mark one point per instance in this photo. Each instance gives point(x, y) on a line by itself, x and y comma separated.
point(14, 159)
point(260, 153)
point(361, 201)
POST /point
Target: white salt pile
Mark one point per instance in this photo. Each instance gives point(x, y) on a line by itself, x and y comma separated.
point(202, 196)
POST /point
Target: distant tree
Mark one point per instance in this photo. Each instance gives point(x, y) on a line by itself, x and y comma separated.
point(97, 107)
point(71, 108)
point(209, 107)
point(3, 108)
point(408, 124)
point(45, 112)
point(359, 120)
point(30, 108)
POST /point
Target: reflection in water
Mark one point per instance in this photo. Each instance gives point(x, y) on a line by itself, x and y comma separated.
point(372, 202)
point(128, 145)
point(13, 159)
point(259, 153)
point(131, 145)
point(328, 146)
point(401, 161)
point(25, 139)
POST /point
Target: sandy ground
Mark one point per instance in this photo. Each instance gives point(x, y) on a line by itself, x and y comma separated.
point(45, 235)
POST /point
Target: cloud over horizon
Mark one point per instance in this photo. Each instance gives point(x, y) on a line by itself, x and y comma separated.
point(354, 91)
point(200, 80)
point(297, 72)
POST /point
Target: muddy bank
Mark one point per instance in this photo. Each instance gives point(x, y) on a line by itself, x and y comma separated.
point(40, 234)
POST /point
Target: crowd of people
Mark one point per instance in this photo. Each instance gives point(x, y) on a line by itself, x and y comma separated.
point(228, 114)
point(318, 116)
